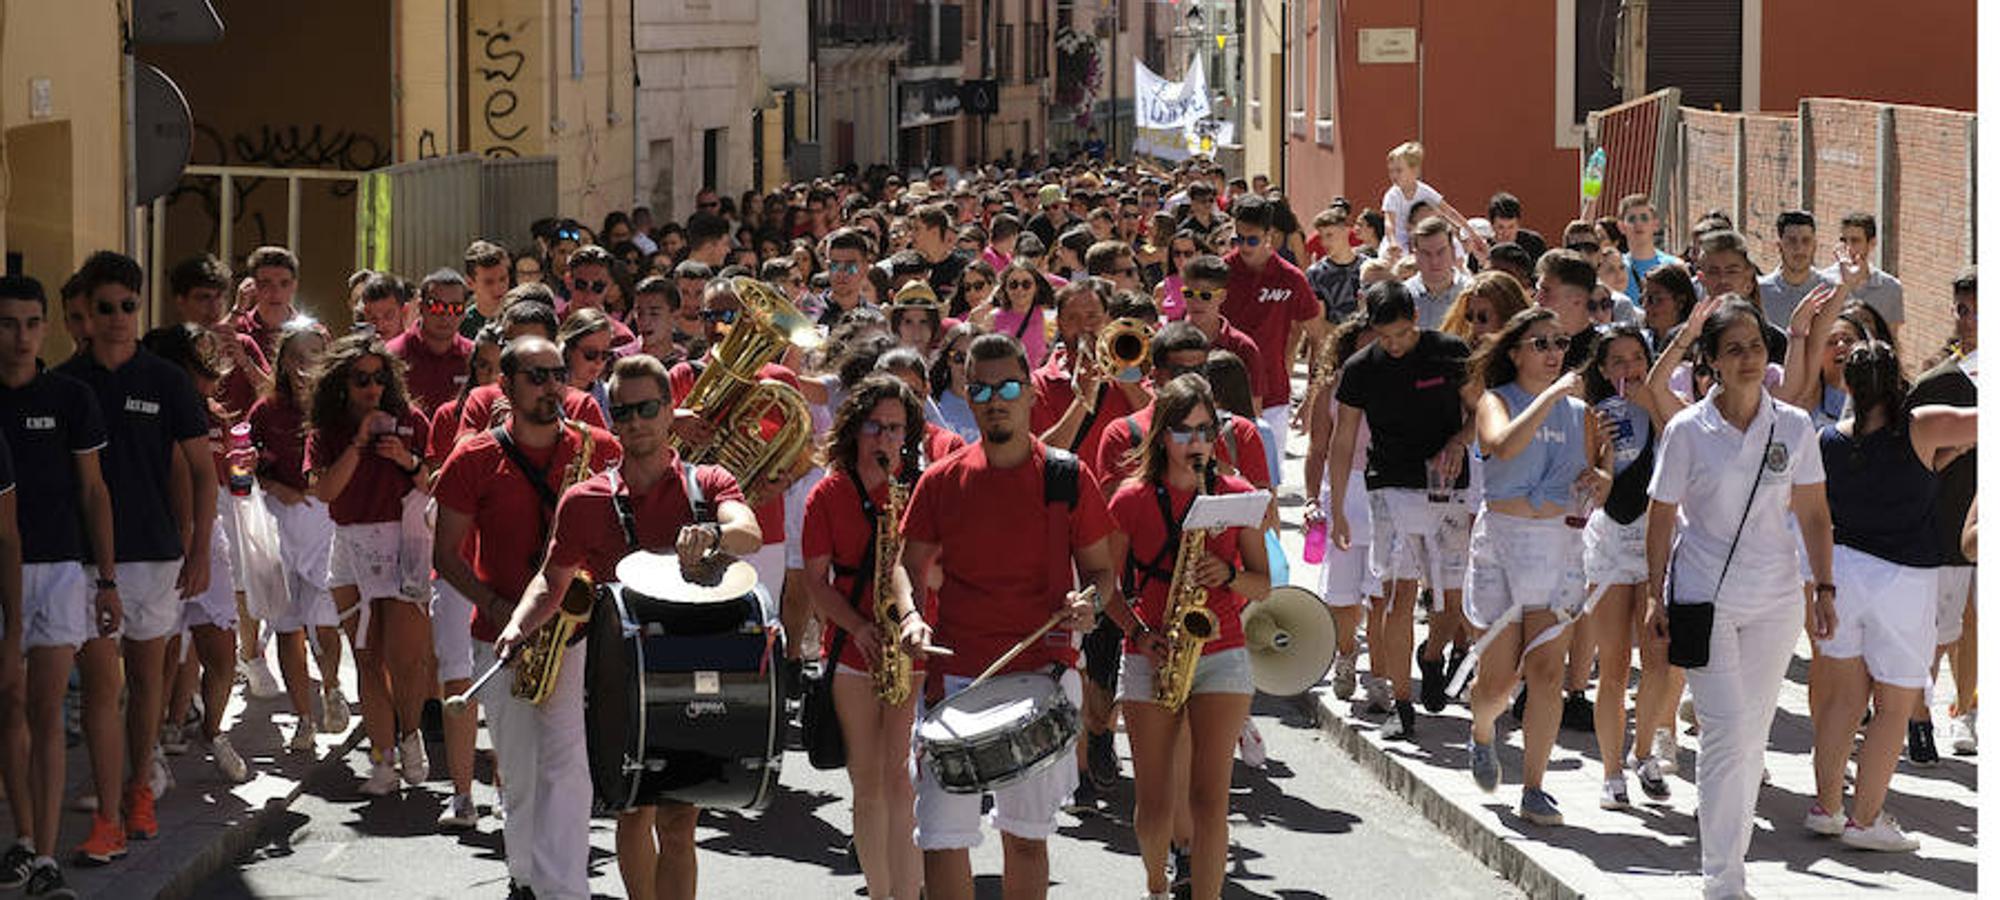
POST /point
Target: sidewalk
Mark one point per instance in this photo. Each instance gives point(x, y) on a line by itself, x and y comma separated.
point(1650, 850)
point(204, 822)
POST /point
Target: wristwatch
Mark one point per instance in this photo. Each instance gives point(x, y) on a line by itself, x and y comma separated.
point(107, 584)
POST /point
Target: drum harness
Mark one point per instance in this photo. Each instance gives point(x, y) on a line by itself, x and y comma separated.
point(537, 478)
point(699, 507)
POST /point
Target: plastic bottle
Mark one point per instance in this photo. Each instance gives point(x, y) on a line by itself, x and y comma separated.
point(241, 456)
point(1315, 542)
point(1593, 175)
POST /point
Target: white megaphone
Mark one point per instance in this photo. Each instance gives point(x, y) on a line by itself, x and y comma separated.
point(1290, 639)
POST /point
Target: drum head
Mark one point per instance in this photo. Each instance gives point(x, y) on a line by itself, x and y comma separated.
point(613, 718)
point(659, 575)
point(988, 707)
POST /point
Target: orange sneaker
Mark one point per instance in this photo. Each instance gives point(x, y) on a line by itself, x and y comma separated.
point(140, 822)
point(106, 843)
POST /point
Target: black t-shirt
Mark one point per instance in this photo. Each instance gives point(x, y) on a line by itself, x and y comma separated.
point(1580, 346)
point(150, 406)
point(1047, 229)
point(1336, 285)
point(945, 272)
point(6, 468)
point(1411, 402)
point(1957, 483)
point(1532, 242)
point(47, 422)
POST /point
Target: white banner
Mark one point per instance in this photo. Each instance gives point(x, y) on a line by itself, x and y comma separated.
point(1168, 105)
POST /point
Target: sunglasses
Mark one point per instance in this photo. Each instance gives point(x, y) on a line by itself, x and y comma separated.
point(1183, 434)
point(725, 316)
point(972, 285)
point(361, 380)
point(709, 204)
point(873, 428)
point(957, 357)
point(1124, 272)
point(644, 409)
point(1249, 241)
point(590, 287)
point(1177, 254)
point(569, 234)
point(1558, 343)
point(445, 309)
point(545, 374)
point(843, 268)
point(1020, 285)
point(981, 392)
point(1206, 295)
point(127, 306)
point(1598, 306)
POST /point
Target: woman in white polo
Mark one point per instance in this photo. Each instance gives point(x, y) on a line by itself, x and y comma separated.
point(1730, 467)
point(1883, 492)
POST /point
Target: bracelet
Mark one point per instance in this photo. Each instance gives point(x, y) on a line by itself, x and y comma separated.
point(413, 470)
point(1819, 589)
point(1233, 572)
point(905, 614)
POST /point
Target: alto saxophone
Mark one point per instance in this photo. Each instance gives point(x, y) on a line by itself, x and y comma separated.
point(539, 659)
point(1188, 620)
point(892, 669)
point(1325, 369)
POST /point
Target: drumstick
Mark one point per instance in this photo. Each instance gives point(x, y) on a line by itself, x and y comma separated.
point(932, 650)
point(1089, 593)
point(456, 703)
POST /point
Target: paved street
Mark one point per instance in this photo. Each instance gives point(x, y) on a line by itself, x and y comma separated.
point(1312, 824)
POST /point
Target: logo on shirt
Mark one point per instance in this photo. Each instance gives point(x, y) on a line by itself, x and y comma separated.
point(148, 407)
point(1776, 458)
point(1549, 435)
point(1274, 295)
point(1424, 384)
point(39, 423)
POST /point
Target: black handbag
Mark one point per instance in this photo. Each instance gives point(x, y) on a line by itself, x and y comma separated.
point(819, 723)
point(1691, 626)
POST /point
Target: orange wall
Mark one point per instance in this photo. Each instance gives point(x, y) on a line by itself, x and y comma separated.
point(1486, 117)
point(1812, 48)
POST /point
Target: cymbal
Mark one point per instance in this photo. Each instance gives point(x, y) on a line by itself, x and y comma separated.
point(659, 575)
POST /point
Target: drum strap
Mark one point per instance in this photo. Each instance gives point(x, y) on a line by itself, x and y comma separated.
point(862, 573)
point(538, 478)
point(1060, 480)
point(621, 503)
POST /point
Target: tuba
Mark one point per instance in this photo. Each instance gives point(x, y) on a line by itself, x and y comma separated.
point(732, 396)
point(892, 669)
point(540, 654)
point(1188, 621)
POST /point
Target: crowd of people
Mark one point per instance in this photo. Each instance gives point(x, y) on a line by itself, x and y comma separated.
point(1564, 453)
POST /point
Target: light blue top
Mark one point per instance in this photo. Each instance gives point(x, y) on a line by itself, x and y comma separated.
point(1544, 469)
point(955, 414)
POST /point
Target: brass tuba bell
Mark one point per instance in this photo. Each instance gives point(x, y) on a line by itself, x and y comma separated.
point(763, 426)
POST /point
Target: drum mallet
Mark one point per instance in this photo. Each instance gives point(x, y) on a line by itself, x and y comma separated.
point(456, 703)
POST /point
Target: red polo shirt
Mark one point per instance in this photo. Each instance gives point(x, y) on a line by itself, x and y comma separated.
point(587, 533)
point(477, 412)
point(433, 377)
point(1264, 304)
point(1242, 449)
point(1055, 389)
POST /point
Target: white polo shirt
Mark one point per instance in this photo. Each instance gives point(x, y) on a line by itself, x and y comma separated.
point(1704, 465)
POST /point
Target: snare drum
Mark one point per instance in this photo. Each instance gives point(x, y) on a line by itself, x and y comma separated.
point(681, 702)
point(998, 732)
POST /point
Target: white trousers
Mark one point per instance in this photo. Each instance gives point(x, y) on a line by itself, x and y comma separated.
point(547, 780)
point(1280, 419)
point(1735, 699)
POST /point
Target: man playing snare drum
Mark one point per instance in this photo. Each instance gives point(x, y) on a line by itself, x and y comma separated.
point(1006, 554)
point(588, 538)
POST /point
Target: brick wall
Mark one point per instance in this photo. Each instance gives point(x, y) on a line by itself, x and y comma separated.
point(1933, 213)
point(1771, 182)
point(1708, 166)
point(1843, 165)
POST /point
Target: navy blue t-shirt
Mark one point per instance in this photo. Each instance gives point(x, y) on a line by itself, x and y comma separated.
point(150, 405)
point(47, 422)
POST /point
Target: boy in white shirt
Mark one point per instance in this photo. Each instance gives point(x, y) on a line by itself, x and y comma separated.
point(1406, 189)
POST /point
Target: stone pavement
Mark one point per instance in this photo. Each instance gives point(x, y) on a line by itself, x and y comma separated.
point(1650, 850)
point(205, 822)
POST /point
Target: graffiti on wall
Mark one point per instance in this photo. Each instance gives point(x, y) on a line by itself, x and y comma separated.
point(499, 82)
point(278, 147)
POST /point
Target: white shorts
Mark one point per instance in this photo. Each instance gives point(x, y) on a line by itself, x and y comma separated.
point(795, 516)
point(769, 561)
point(226, 507)
point(1025, 809)
point(1881, 616)
point(152, 603)
point(55, 605)
point(1221, 672)
point(216, 606)
point(1614, 553)
point(1345, 577)
point(368, 558)
point(305, 542)
point(1518, 561)
point(1954, 590)
point(451, 631)
point(1415, 538)
point(1280, 419)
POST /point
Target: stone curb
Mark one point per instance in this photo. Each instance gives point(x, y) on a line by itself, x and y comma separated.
point(1492, 849)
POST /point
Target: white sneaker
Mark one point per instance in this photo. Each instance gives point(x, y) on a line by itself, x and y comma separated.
point(1343, 677)
point(416, 763)
point(1250, 745)
point(1379, 698)
point(1667, 749)
point(337, 716)
point(257, 674)
point(227, 760)
point(1614, 795)
point(173, 739)
point(459, 814)
point(1885, 835)
point(1961, 733)
point(302, 737)
point(161, 779)
point(1823, 823)
point(1688, 716)
point(84, 802)
point(382, 776)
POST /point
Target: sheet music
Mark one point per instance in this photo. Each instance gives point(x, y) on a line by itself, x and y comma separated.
point(1228, 510)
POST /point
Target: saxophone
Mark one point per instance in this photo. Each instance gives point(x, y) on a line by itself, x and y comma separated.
point(1324, 370)
point(1188, 620)
point(539, 659)
point(892, 668)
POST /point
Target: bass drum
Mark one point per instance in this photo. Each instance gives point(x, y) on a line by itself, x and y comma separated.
point(681, 703)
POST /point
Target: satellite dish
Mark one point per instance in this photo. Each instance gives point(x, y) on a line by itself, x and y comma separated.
point(175, 22)
point(162, 132)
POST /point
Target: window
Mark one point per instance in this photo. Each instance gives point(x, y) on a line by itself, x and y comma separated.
point(1254, 23)
point(1329, 42)
point(713, 142)
point(1003, 53)
point(1702, 47)
point(1295, 84)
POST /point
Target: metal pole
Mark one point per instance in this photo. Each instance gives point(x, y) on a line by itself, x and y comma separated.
point(292, 204)
point(226, 220)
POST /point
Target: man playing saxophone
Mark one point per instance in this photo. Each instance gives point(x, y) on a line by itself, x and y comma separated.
point(1186, 684)
point(496, 499)
point(851, 541)
point(590, 536)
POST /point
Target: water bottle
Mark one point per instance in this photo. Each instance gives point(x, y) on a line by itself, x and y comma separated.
point(1593, 175)
point(1315, 542)
point(241, 457)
